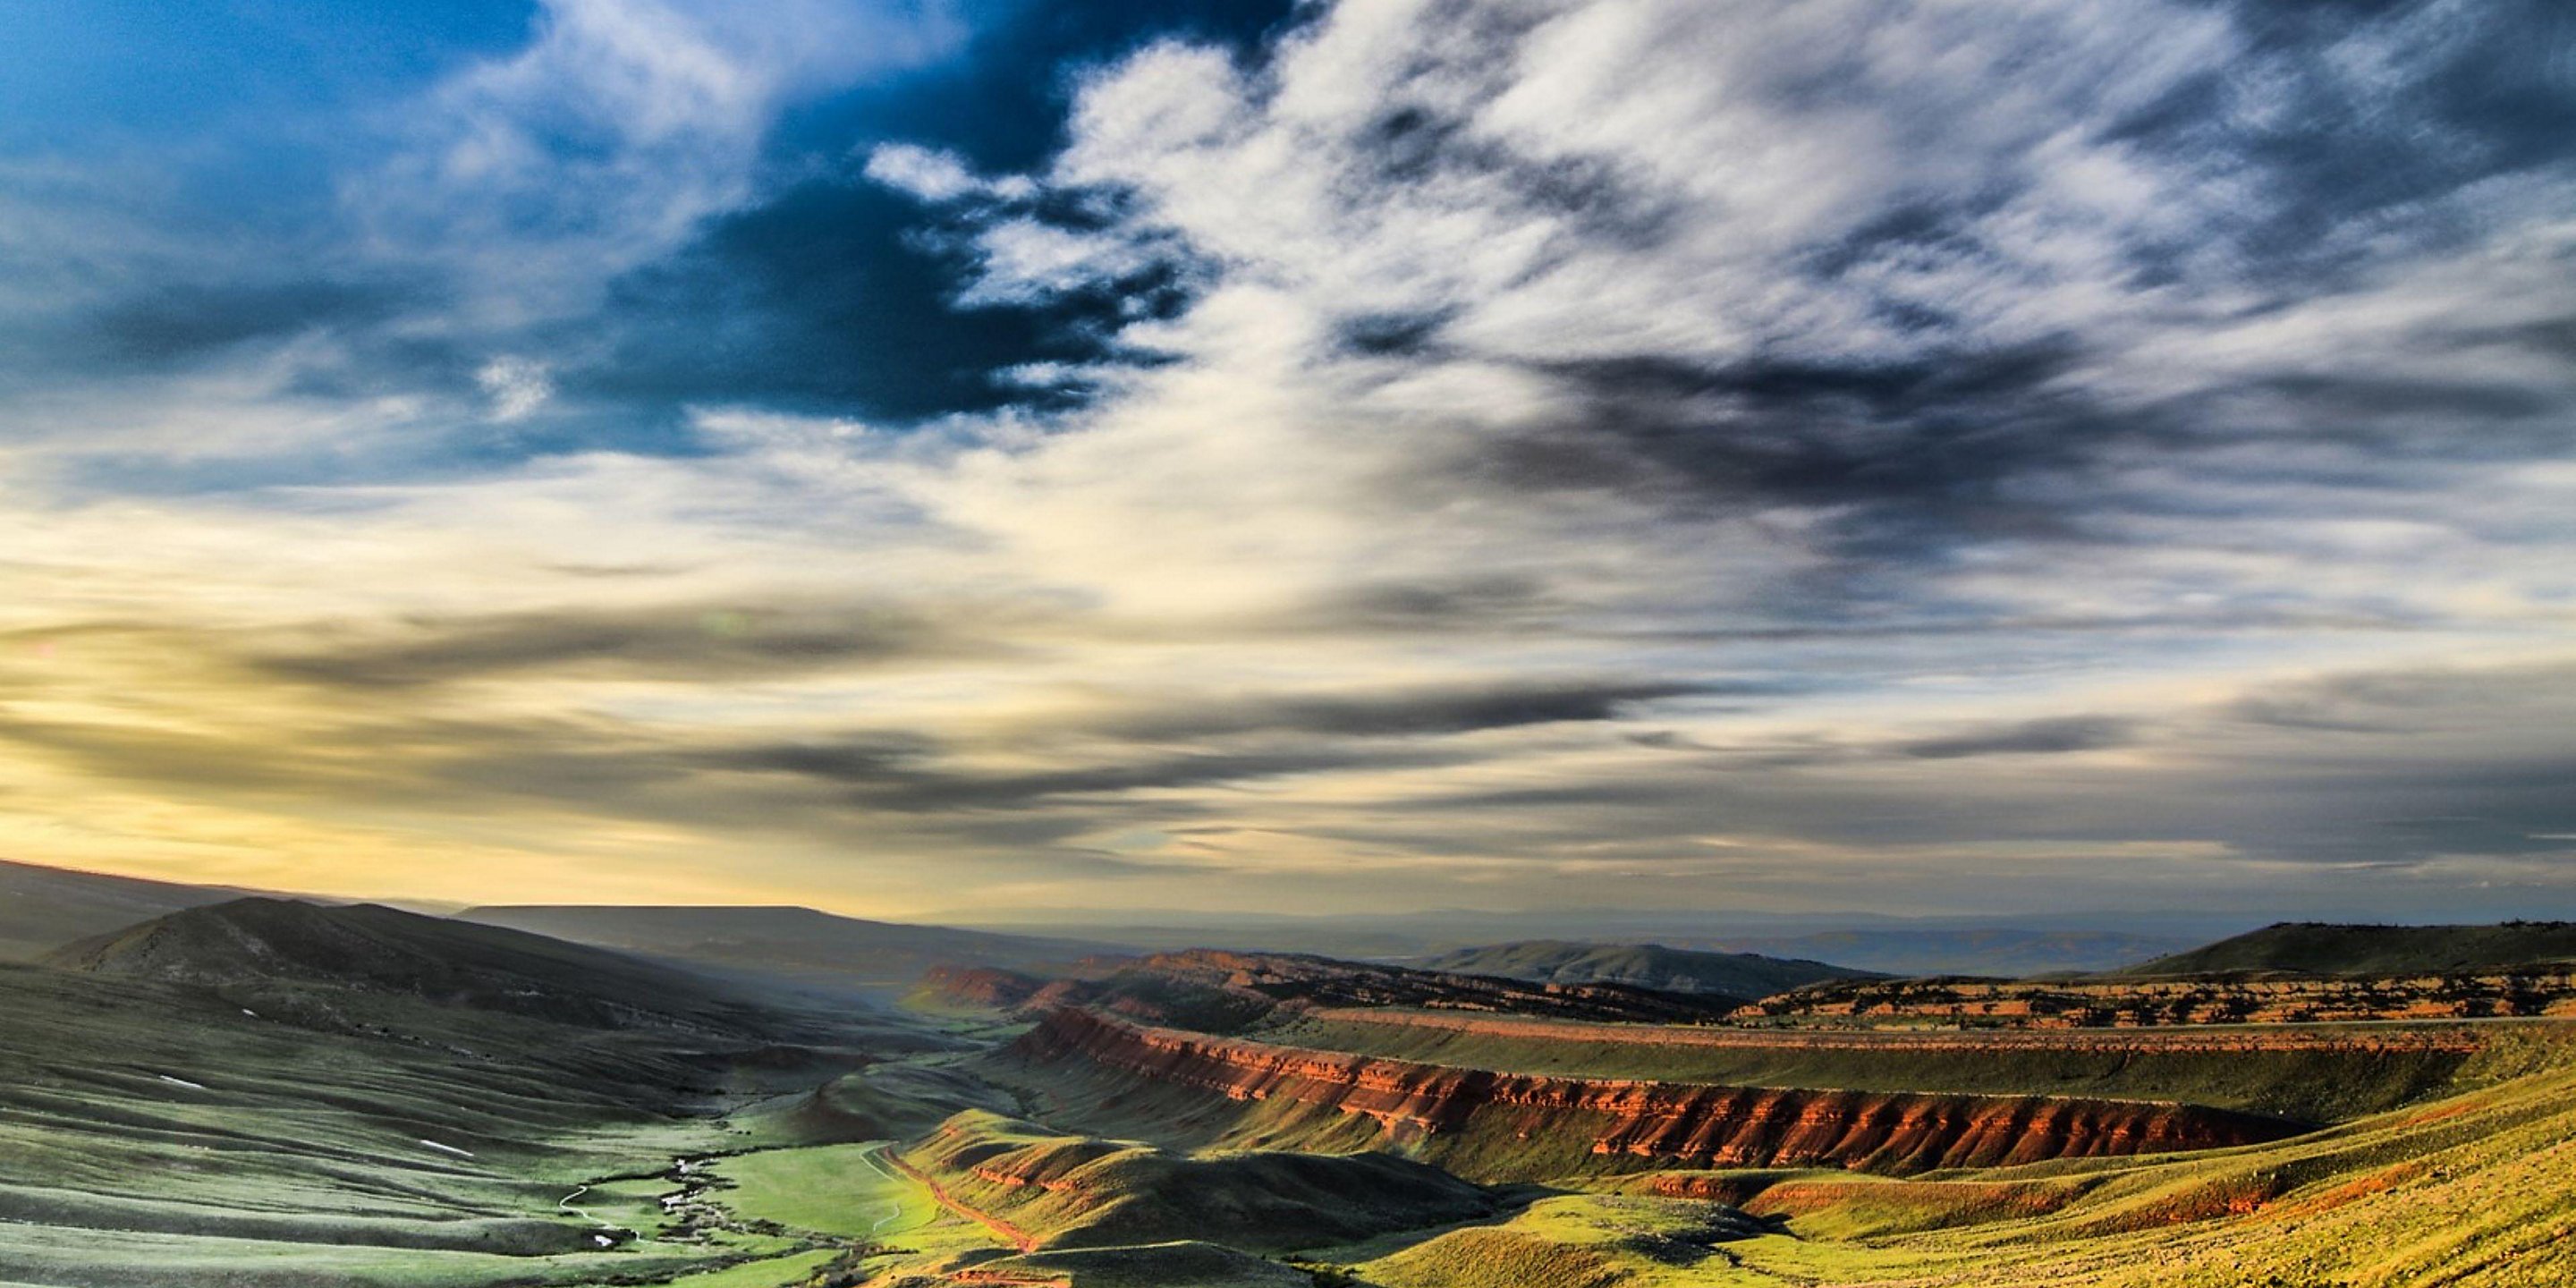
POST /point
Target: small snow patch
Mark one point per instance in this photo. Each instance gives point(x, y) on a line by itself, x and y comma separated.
point(446, 1149)
point(182, 1082)
point(603, 1240)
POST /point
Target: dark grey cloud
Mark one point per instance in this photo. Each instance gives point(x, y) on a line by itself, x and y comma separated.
point(872, 774)
point(180, 322)
point(1399, 713)
point(2048, 736)
point(2030, 737)
point(2418, 771)
point(693, 642)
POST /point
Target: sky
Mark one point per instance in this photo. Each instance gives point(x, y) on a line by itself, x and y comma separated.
point(999, 458)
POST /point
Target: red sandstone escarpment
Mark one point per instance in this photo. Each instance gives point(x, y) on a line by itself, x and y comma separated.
point(1625, 1122)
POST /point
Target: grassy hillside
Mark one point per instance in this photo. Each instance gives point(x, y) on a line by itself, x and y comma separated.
point(43, 908)
point(154, 1134)
point(1673, 970)
point(813, 949)
point(2323, 948)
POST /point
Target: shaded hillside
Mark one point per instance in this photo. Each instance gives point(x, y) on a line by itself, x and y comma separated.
point(1671, 970)
point(1218, 991)
point(282, 947)
point(44, 908)
point(2000, 951)
point(2325, 948)
point(799, 945)
point(159, 1135)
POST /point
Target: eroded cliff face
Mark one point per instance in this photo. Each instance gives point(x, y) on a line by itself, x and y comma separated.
point(1530, 1123)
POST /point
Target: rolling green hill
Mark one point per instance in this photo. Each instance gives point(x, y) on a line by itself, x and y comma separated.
point(2325, 948)
point(1672, 970)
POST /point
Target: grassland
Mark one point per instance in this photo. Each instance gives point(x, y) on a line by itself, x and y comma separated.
point(846, 1191)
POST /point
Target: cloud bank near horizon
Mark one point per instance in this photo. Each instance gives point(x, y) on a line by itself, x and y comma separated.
point(1381, 454)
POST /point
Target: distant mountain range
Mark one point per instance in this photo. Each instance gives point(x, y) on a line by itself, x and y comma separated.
point(1671, 970)
point(2321, 948)
point(43, 908)
point(800, 946)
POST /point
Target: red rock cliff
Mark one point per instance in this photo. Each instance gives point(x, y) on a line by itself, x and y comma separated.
point(1625, 1122)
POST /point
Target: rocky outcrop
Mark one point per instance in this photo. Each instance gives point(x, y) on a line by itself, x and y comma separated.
point(2202, 1000)
point(1570, 1124)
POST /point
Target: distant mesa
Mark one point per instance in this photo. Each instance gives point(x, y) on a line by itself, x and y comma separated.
point(1670, 970)
point(1220, 991)
point(2326, 948)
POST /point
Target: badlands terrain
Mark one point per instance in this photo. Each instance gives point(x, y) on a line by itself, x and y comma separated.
point(220, 1087)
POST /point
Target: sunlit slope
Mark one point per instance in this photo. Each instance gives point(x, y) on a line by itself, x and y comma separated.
point(2476, 1189)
